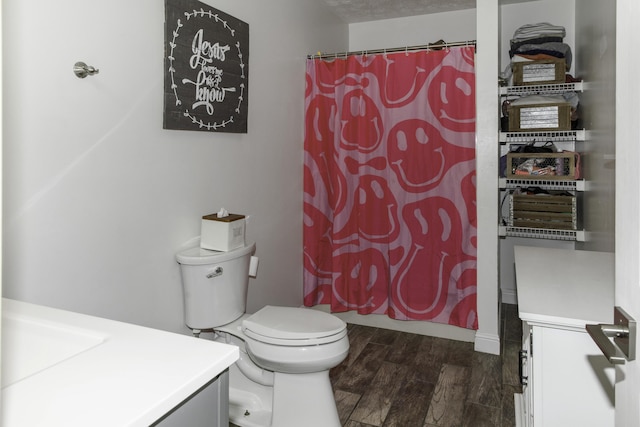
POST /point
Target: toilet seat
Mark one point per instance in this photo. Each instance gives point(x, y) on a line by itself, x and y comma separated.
point(291, 326)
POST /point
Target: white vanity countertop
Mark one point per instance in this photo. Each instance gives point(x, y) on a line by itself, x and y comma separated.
point(566, 288)
point(68, 369)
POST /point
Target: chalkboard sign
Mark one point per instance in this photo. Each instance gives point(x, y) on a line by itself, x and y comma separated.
point(206, 76)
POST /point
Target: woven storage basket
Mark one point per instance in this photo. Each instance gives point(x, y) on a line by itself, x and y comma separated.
point(542, 165)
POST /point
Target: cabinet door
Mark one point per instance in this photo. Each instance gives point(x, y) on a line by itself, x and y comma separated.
point(573, 380)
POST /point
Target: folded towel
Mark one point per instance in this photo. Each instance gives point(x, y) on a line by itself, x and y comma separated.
point(558, 50)
point(541, 29)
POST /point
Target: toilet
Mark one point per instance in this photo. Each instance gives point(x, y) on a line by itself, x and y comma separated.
point(282, 376)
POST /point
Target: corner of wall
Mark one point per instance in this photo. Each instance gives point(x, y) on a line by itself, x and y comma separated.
point(487, 67)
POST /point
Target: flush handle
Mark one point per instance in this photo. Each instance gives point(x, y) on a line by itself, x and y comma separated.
point(214, 273)
point(623, 332)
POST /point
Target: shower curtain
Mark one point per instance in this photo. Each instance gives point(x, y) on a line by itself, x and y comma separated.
point(389, 185)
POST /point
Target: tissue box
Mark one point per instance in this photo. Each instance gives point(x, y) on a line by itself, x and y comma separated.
point(222, 234)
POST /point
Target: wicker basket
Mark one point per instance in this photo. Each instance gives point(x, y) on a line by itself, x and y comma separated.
point(544, 211)
point(542, 166)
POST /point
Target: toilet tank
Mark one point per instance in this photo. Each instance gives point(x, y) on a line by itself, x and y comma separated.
point(214, 285)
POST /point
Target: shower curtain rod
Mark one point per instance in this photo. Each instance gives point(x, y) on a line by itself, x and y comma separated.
point(431, 46)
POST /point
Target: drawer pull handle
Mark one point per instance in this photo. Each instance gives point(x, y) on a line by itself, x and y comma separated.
point(623, 332)
point(523, 380)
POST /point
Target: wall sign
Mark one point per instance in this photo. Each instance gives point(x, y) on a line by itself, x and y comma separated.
point(206, 76)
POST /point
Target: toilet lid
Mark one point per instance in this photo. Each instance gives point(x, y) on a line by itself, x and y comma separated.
point(293, 326)
point(199, 256)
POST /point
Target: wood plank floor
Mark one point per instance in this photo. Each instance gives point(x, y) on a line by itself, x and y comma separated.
point(399, 379)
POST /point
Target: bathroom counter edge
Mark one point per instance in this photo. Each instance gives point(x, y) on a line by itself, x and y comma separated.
point(133, 377)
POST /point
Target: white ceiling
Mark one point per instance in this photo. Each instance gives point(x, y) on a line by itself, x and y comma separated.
point(373, 10)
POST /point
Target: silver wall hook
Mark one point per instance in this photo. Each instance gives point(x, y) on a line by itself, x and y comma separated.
point(83, 70)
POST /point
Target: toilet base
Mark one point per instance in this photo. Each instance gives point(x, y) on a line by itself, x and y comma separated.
point(277, 399)
point(250, 404)
point(297, 400)
point(246, 411)
point(304, 400)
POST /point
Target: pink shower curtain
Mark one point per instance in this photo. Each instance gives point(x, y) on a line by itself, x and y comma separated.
point(389, 185)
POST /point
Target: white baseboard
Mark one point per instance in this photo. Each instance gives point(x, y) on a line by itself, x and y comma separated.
point(509, 296)
point(518, 403)
point(487, 343)
point(431, 329)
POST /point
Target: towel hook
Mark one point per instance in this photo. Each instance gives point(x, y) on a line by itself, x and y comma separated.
point(83, 70)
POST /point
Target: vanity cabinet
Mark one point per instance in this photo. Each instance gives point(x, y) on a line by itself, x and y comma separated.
point(566, 379)
point(208, 407)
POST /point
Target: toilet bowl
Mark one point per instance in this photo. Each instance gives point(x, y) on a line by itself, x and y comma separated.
point(282, 376)
point(295, 340)
point(289, 384)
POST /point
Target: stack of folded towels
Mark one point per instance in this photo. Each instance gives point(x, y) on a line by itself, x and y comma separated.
point(533, 42)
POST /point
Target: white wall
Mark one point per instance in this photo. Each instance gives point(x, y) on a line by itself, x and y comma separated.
point(488, 334)
point(98, 197)
point(413, 31)
point(596, 46)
